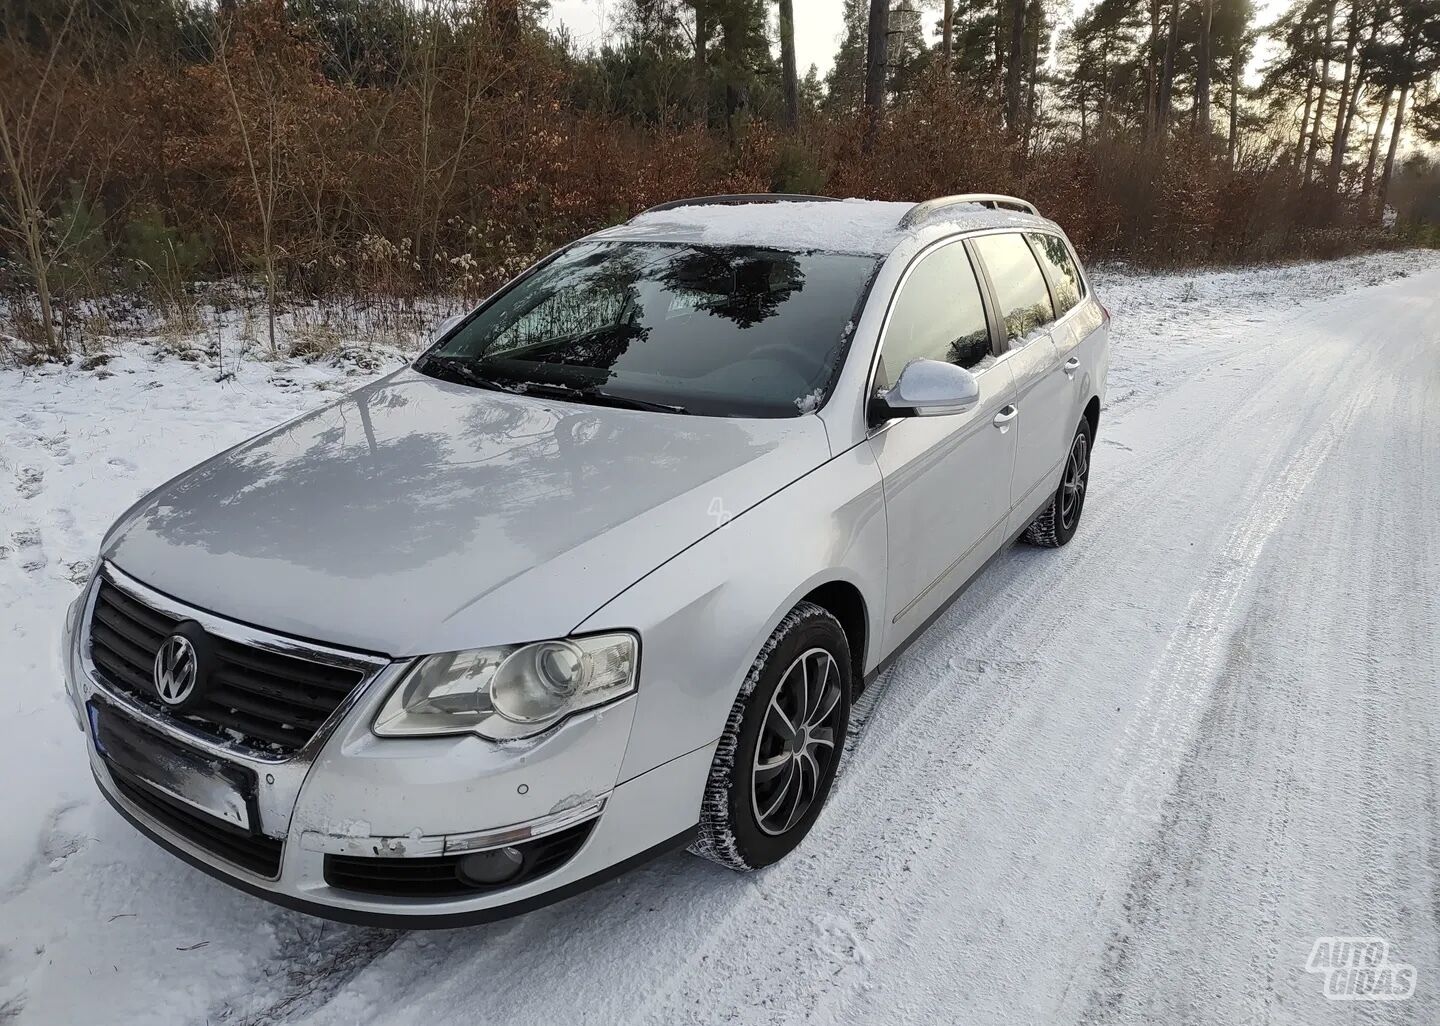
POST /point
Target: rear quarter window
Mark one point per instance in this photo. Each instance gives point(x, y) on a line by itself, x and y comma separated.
point(1067, 287)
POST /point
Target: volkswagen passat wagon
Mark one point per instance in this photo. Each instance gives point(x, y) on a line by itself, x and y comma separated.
point(599, 574)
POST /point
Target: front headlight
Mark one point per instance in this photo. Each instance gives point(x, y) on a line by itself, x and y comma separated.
point(511, 691)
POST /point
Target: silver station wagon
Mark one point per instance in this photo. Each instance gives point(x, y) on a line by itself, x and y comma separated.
point(598, 575)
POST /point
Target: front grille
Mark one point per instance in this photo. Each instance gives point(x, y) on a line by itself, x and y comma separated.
point(261, 699)
point(255, 852)
point(439, 877)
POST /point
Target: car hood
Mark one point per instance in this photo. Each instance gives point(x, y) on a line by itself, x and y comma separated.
point(416, 515)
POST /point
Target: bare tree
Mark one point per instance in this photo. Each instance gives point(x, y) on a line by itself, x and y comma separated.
point(1369, 184)
point(1202, 68)
point(1395, 131)
point(257, 122)
point(703, 22)
point(1342, 97)
point(35, 152)
point(1015, 64)
point(1152, 70)
point(877, 48)
point(787, 64)
point(1314, 148)
point(947, 30)
point(449, 80)
point(1305, 39)
point(1167, 72)
point(1233, 139)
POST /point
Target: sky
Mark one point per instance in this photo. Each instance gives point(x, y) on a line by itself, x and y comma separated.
point(818, 25)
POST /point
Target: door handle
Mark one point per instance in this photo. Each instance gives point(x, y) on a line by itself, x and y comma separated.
point(1071, 366)
point(1004, 417)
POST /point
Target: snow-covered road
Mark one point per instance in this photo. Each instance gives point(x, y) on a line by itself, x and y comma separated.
point(1129, 781)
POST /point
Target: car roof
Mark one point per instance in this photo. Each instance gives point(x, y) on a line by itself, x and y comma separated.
point(868, 227)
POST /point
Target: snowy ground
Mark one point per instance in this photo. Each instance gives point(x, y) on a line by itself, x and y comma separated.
point(1130, 781)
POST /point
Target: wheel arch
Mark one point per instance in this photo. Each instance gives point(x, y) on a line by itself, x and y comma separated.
point(844, 601)
point(1092, 414)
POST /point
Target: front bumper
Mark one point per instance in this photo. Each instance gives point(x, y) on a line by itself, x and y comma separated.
point(622, 839)
point(405, 803)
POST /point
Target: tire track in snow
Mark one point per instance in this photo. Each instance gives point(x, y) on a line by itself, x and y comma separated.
point(1170, 702)
point(1307, 751)
point(1172, 861)
point(1177, 692)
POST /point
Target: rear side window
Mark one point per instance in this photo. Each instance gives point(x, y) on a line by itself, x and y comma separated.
point(938, 315)
point(1064, 275)
point(1019, 286)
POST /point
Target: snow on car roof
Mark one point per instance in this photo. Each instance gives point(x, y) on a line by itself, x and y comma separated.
point(871, 227)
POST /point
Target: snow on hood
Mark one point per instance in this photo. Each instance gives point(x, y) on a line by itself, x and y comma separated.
point(417, 515)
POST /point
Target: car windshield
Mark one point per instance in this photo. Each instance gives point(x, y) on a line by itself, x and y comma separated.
point(722, 331)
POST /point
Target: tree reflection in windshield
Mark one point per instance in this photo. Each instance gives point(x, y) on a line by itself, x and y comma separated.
point(717, 330)
point(745, 287)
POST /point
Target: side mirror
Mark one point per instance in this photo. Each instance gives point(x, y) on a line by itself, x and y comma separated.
point(928, 388)
point(443, 328)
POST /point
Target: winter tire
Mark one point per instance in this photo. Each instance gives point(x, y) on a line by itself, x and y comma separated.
point(1057, 522)
point(777, 756)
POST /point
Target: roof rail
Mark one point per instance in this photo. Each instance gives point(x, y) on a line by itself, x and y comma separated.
point(920, 211)
point(738, 198)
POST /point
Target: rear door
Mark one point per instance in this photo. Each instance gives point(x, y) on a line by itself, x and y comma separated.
point(1026, 311)
point(946, 478)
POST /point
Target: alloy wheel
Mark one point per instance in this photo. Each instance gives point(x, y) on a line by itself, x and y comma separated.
point(1077, 476)
point(797, 742)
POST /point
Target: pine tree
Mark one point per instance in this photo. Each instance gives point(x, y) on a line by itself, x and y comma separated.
point(845, 83)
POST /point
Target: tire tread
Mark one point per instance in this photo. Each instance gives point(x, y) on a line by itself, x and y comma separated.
point(717, 841)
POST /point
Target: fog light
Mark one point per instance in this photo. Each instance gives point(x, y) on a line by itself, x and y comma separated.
point(487, 868)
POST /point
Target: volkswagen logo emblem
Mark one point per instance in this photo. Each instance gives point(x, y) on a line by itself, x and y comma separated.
point(177, 669)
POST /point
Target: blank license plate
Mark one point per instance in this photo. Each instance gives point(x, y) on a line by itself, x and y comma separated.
point(212, 786)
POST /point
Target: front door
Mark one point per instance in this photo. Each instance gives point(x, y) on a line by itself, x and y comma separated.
point(946, 478)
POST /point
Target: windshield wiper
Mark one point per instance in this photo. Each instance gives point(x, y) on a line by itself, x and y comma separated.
point(596, 396)
point(464, 372)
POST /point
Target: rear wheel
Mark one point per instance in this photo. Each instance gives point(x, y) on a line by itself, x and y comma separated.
point(777, 756)
point(1057, 522)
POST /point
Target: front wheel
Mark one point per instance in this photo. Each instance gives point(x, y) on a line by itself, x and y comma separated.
point(1057, 521)
point(778, 754)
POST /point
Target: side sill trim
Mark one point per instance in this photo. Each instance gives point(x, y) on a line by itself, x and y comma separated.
point(899, 649)
point(391, 921)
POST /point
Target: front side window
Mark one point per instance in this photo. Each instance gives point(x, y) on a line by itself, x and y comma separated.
point(938, 315)
point(1064, 275)
point(1019, 286)
point(726, 331)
